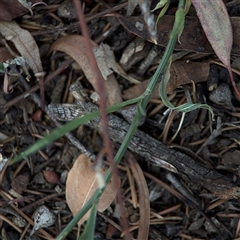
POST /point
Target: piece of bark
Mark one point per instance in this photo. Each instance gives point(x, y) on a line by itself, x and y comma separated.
point(153, 150)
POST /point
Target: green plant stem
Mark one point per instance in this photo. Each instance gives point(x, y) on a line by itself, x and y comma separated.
point(157, 77)
point(80, 214)
point(90, 226)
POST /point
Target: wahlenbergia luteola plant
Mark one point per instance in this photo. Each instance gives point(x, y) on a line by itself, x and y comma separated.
point(142, 101)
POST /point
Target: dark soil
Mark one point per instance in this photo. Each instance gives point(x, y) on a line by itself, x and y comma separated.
point(198, 206)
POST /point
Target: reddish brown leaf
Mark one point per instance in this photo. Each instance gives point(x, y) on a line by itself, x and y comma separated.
point(144, 203)
point(216, 23)
point(111, 231)
point(37, 116)
point(81, 184)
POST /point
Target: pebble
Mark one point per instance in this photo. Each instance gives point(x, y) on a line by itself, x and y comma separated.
point(222, 96)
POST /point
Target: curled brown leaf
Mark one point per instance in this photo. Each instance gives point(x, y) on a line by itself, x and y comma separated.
point(75, 46)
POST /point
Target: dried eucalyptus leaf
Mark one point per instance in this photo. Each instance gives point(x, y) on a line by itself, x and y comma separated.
point(25, 44)
point(75, 46)
point(12, 9)
point(216, 24)
point(82, 183)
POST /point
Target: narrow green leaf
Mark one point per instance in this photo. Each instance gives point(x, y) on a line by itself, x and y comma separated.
point(179, 26)
point(54, 135)
point(186, 107)
point(89, 230)
point(163, 11)
point(161, 4)
point(187, 6)
point(95, 197)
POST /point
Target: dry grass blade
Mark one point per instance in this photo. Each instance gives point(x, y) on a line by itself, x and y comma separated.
point(144, 204)
point(132, 187)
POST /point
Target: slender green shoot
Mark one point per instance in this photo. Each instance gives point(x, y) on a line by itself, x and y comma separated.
point(89, 230)
point(157, 77)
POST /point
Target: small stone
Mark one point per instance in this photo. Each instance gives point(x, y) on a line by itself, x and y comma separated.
point(51, 176)
point(222, 96)
point(67, 10)
point(43, 218)
point(19, 221)
point(208, 226)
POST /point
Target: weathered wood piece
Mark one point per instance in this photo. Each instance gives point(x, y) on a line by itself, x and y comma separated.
point(152, 150)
